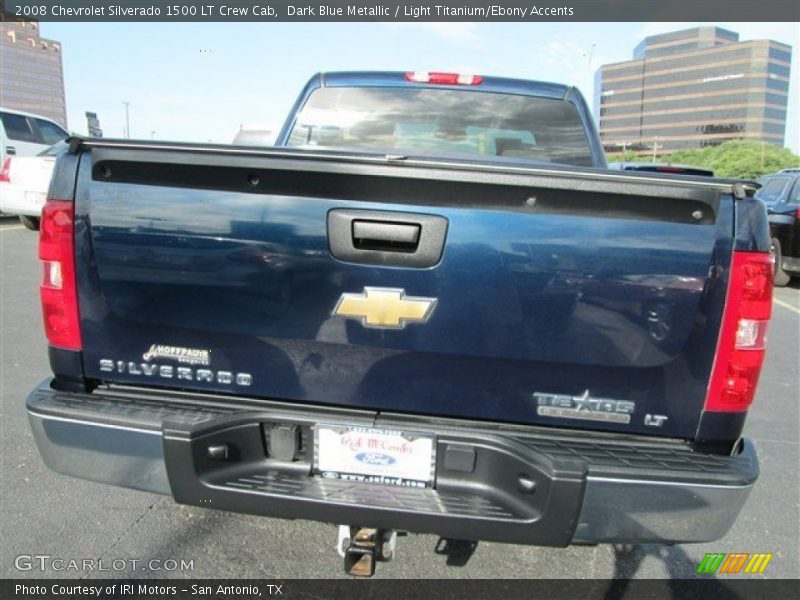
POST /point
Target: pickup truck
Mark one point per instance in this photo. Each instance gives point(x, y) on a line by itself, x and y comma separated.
point(430, 308)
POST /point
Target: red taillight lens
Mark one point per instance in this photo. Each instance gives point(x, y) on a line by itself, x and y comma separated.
point(5, 173)
point(58, 290)
point(742, 339)
point(444, 78)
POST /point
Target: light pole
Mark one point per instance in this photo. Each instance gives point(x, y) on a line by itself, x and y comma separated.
point(656, 146)
point(127, 119)
point(624, 145)
point(588, 75)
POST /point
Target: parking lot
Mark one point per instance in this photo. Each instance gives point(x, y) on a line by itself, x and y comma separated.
point(44, 513)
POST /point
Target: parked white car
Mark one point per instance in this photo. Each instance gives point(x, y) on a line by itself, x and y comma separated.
point(27, 134)
point(24, 182)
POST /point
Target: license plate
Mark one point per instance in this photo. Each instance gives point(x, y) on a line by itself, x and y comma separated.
point(374, 456)
point(35, 199)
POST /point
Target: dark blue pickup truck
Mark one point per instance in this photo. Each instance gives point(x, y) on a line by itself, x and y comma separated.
point(430, 308)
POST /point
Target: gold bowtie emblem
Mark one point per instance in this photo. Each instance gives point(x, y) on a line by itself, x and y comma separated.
point(386, 308)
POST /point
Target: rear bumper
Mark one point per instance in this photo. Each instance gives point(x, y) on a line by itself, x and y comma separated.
point(16, 200)
point(498, 483)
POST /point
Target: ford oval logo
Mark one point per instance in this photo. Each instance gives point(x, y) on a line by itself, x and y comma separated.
point(375, 458)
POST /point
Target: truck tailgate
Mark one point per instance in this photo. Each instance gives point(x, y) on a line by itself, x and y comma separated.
point(581, 300)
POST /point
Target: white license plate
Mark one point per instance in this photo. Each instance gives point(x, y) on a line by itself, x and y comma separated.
point(374, 456)
point(35, 199)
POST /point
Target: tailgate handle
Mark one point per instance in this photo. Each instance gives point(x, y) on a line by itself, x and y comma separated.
point(386, 238)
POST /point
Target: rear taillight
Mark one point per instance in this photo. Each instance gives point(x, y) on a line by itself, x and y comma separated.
point(742, 339)
point(58, 289)
point(444, 78)
point(5, 173)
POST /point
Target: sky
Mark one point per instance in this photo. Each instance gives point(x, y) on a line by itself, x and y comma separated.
point(203, 81)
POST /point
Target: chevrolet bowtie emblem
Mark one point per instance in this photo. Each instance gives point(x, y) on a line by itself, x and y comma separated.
point(385, 308)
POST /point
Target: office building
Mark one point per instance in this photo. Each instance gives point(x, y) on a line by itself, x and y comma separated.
point(31, 72)
point(694, 88)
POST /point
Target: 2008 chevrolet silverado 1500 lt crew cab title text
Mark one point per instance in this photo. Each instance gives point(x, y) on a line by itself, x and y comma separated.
point(431, 308)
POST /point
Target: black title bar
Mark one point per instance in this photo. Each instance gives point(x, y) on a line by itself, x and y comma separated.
point(741, 588)
point(400, 11)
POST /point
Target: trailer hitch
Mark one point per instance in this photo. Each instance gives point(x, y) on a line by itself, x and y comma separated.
point(363, 547)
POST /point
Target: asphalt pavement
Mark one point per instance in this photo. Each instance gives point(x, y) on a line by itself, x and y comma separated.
point(43, 513)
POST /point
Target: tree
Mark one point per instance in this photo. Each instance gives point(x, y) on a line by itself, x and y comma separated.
point(746, 159)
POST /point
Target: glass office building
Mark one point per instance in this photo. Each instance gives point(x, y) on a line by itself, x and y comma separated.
point(694, 88)
point(31, 72)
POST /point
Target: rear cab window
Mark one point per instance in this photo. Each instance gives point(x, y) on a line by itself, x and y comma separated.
point(19, 128)
point(443, 123)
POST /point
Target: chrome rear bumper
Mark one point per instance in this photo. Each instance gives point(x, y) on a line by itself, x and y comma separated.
point(590, 489)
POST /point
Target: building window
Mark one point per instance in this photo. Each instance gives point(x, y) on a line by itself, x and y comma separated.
point(43, 45)
point(12, 36)
point(32, 42)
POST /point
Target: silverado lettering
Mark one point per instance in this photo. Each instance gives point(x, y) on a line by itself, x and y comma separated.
point(108, 365)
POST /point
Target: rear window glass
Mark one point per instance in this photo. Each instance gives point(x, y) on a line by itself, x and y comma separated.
point(773, 189)
point(254, 137)
point(18, 128)
point(454, 123)
point(51, 132)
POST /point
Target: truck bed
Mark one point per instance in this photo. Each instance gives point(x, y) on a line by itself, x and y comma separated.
point(483, 351)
